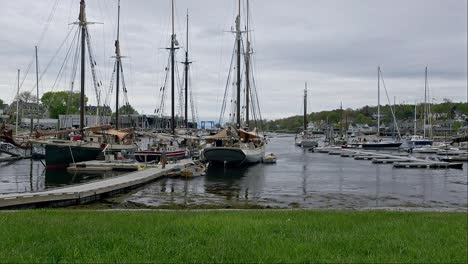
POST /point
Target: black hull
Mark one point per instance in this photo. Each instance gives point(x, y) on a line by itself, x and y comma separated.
point(381, 145)
point(62, 156)
point(217, 156)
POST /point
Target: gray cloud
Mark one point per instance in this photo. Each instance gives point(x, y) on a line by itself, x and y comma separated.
point(334, 45)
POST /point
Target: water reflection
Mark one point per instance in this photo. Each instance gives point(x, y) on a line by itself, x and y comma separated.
point(299, 179)
point(310, 180)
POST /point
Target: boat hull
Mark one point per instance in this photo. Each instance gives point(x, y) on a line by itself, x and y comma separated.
point(231, 156)
point(57, 156)
point(395, 145)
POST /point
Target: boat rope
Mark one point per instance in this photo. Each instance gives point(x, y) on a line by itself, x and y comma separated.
point(71, 153)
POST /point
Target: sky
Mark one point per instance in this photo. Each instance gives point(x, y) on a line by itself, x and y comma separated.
point(333, 45)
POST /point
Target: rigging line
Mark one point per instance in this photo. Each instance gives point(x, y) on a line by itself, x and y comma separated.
point(65, 60)
point(49, 19)
point(93, 65)
point(48, 22)
point(53, 58)
point(111, 85)
point(223, 106)
point(389, 103)
point(74, 71)
point(124, 85)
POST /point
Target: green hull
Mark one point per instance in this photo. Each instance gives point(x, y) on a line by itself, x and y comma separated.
point(61, 156)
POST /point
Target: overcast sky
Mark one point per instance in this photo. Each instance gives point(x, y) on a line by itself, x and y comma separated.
point(334, 45)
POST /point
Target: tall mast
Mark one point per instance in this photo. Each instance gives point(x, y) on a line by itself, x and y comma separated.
point(415, 118)
point(117, 57)
point(341, 118)
point(172, 73)
point(238, 84)
point(17, 102)
point(425, 102)
point(186, 68)
point(378, 100)
point(37, 91)
point(82, 19)
point(305, 107)
point(247, 72)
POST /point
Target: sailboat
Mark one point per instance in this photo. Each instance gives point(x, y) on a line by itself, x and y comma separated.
point(379, 143)
point(423, 141)
point(91, 142)
point(235, 145)
point(168, 144)
point(305, 139)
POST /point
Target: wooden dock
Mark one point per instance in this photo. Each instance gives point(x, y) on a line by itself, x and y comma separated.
point(88, 192)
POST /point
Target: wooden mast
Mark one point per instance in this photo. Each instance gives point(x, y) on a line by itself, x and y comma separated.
point(247, 72)
point(238, 84)
point(172, 73)
point(82, 22)
point(37, 92)
point(117, 57)
point(186, 68)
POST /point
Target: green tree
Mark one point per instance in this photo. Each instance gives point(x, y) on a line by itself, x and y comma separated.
point(127, 109)
point(61, 103)
point(1, 102)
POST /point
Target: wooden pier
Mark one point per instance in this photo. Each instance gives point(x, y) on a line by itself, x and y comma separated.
point(92, 191)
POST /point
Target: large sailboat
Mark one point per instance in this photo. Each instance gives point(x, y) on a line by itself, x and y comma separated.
point(305, 139)
point(179, 142)
point(425, 140)
point(378, 143)
point(235, 145)
point(87, 143)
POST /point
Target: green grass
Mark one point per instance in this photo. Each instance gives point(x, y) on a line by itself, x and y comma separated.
point(232, 236)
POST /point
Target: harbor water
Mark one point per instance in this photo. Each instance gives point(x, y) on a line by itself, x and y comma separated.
point(299, 179)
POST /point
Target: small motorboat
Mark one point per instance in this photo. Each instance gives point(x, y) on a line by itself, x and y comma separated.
point(270, 158)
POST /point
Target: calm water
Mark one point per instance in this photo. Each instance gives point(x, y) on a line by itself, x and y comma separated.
point(311, 180)
point(31, 176)
point(299, 179)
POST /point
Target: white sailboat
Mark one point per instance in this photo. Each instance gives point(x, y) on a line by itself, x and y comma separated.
point(423, 141)
point(234, 145)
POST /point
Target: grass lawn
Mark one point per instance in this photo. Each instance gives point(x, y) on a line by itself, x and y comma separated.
point(232, 236)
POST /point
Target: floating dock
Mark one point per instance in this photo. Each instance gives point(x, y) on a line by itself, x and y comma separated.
point(399, 160)
point(92, 191)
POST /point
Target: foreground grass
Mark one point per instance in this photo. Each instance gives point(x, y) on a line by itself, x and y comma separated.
point(232, 236)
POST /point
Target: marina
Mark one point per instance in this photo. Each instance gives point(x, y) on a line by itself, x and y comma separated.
point(233, 131)
point(298, 179)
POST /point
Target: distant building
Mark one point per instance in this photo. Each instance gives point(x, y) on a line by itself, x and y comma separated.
point(103, 110)
point(27, 110)
point(42, 123)
point(69, 121)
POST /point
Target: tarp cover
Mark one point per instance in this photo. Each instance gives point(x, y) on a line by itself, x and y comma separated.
point(121, 135)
